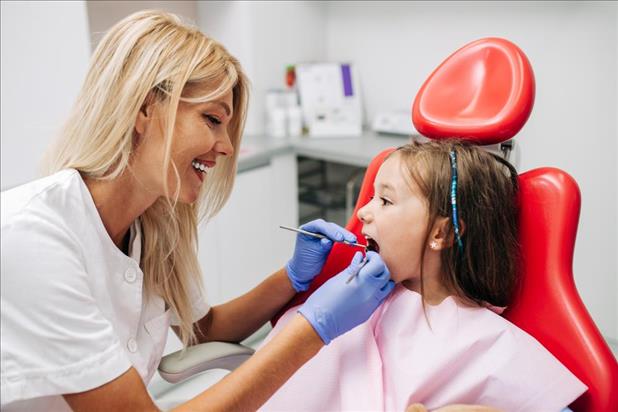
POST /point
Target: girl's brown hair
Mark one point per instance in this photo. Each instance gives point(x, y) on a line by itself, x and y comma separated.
point(485, 270)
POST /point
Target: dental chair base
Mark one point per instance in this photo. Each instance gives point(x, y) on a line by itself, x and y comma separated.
point(179, 366)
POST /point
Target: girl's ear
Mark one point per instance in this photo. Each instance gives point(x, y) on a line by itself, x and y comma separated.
point(441, 237)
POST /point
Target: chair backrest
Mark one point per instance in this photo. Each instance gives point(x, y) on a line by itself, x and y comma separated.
point(484, 93)
point(547, 305)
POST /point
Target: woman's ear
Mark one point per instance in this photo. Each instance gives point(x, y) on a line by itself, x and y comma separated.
point(144, 116)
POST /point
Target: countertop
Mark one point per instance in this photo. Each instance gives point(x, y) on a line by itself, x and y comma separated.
point(257, 150)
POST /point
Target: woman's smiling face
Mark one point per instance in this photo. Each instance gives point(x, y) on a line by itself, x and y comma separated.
point(396, 220)
point(200, 137)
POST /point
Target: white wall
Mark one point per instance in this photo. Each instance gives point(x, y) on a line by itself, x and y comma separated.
point(573, 49)
point(615, 337)
point(265, 37)
point(102, 15)
point(45, 51)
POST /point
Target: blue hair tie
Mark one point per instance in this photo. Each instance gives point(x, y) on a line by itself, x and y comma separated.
point(453, 158)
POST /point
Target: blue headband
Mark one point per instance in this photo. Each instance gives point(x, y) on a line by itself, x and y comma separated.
point(453, 158)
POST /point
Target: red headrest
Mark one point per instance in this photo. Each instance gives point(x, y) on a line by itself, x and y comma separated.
point(484, 92)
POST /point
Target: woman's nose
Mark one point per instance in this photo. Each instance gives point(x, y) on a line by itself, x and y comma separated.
point(224, 145)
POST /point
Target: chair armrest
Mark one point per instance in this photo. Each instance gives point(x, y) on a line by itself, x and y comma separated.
point(178, 366)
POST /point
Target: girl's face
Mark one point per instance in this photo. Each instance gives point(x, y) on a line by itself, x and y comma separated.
point(395, 221)
point(200, 137)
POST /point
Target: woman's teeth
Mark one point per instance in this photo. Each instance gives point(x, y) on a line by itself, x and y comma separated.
point(199, 166)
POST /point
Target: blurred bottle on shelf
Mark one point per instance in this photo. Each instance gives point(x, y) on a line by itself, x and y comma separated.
point(283, 113)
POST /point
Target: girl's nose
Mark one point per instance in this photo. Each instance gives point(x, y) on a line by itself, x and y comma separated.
point(363, 214)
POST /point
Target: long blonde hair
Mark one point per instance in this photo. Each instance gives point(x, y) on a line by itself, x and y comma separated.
point(153, 53)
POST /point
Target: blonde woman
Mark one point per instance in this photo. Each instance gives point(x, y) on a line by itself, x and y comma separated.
point(99, 257)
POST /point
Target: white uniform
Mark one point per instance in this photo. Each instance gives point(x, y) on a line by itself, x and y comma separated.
point(74, 311)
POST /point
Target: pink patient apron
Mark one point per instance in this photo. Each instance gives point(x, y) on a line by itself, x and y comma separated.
point(464, 354)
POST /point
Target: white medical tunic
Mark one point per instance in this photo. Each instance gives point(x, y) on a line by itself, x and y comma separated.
point(74, 310)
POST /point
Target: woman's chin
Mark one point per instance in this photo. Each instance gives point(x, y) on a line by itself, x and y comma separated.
point(188, 198)
point(190, 190)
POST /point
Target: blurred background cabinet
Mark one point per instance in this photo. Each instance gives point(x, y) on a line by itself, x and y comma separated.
point(327, 190)
point(243, 244)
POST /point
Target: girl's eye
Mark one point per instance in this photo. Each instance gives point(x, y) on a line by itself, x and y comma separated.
point(385, 201)
point(211, 120)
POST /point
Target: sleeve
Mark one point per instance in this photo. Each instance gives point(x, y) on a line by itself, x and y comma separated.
point(199, 305)
point(55, 339)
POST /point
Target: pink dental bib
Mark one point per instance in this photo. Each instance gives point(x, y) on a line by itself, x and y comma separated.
point(464, 354)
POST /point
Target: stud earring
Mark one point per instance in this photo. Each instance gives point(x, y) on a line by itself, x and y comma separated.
point(433, 245)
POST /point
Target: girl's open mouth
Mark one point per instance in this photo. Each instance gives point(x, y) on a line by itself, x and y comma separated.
point(372, 245)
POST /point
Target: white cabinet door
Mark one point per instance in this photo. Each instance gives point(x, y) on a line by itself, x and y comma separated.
point(243, 244)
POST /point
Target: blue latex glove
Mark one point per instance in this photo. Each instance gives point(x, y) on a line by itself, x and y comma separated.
point(337, 306)
point(310, 252)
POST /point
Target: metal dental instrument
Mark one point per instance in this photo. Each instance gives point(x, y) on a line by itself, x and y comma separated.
point(359, 268)
point(320, 236)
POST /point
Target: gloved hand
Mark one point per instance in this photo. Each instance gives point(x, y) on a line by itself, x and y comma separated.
point(310, 252)
point(337, 306)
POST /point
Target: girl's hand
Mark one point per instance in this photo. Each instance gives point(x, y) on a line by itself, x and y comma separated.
point(310, 252)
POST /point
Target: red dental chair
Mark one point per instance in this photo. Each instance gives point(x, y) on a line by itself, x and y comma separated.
point(484, 93)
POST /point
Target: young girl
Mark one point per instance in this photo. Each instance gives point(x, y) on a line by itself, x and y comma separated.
point(444, 221)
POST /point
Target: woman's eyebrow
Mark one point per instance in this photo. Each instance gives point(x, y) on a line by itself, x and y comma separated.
point(224, 106)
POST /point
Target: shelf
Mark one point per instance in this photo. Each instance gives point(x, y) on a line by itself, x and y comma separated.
point(331, 197)
point(327, 190)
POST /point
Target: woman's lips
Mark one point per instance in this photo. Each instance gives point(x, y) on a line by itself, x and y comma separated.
point(200, 175)
point(201, 167)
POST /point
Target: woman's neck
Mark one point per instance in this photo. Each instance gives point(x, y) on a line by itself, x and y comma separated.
point(119, 202)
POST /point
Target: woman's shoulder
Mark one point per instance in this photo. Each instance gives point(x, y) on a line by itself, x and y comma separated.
point(48, 193)
point(42, 215)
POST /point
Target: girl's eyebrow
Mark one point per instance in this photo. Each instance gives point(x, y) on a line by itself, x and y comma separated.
point(386, 186)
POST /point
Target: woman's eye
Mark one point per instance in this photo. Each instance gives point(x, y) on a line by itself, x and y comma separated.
point(210, 119)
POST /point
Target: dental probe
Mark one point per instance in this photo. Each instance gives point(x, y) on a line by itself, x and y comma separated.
point(320, 236)
point(359, 268)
